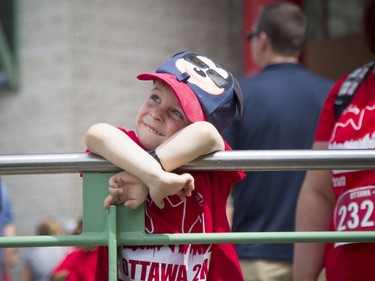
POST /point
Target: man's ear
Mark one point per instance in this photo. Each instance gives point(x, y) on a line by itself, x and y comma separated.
point(264, 41)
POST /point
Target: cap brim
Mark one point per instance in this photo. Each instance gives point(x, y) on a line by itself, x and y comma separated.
point(185, 95)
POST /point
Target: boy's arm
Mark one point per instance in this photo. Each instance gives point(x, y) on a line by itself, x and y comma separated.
point(197, 139)
point(112, 144)
point(118, 148)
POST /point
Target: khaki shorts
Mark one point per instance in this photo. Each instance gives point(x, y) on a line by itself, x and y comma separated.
point(266, 270)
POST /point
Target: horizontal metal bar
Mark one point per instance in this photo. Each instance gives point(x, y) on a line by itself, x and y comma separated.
point(249, 160)
point(265, 160)
point(51, 240)
point(53, 163)
point(245, 238)
point(138, 238)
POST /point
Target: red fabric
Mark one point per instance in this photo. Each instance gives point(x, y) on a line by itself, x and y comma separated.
point(7, 277)
point(102, 270)
point(355, 129)
point(204, 211)
point(80, 264)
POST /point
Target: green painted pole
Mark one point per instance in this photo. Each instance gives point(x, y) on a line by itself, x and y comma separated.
point(50, 240)
point(246, 237)
point(112, 243)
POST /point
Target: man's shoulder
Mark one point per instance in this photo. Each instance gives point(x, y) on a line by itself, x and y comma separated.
point(319, 78)
point(281, 74)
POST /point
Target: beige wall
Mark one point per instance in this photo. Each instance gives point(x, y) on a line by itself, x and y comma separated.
point(79, 60)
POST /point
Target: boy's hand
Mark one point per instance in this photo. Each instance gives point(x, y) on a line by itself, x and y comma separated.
point(127, 189)
point(171, 184)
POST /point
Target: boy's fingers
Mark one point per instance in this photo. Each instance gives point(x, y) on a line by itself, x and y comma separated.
point(108, 201)
point(115, 191)
point(160, 204)
point(112, 200)
point(189, 187)
point(187, 192)
point(133, 204)
point(182, 195)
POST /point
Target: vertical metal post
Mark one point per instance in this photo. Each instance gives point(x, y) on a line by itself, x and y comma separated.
point(112, 243)
point(96, 219)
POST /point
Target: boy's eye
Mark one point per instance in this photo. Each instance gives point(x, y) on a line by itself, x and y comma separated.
point(155, 98)
point(178, 114)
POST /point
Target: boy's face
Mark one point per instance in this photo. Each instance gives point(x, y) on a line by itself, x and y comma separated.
point(159, 117)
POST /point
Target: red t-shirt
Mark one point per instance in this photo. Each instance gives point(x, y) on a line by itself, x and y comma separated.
point(80, 264)
point(354, 189)
point(203, 212)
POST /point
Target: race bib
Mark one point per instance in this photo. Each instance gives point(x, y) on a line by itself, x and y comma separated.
point(354, 210)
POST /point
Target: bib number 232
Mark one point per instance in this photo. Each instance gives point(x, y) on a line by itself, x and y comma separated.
point(354, 210)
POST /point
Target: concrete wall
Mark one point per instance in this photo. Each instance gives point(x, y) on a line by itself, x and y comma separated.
point(78, 63)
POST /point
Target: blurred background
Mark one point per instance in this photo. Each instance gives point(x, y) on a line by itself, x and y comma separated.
point(67, 64)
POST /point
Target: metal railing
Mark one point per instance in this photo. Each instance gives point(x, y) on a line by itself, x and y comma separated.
point(123, 226)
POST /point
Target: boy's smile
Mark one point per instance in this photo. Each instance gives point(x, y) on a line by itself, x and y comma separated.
point(159, 117)
point(152, 130)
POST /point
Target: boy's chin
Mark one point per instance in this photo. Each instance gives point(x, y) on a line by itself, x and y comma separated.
point(149, 142)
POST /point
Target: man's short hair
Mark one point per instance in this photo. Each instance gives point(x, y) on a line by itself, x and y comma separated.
point(285, 25)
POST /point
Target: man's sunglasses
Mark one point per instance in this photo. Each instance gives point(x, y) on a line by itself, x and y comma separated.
point(252, 34)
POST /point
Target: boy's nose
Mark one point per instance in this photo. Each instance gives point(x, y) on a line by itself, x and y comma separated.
point(157, 115)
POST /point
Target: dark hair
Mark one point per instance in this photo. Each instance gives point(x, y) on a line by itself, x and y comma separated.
point(79, 227)
point(368, 17)
point(285, 25)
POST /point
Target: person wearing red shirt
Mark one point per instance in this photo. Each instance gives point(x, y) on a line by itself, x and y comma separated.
point(79, 264)
point(192, 100)
point(341, 200)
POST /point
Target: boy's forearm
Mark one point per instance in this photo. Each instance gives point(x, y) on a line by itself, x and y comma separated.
point(195, 140)
point(115, 146)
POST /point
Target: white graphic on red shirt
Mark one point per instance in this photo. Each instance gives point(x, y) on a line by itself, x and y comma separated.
point(180, 206)
point(354, 209)
point(359, 119)
point(355, 123)
point(160, 264)
point(169, 262)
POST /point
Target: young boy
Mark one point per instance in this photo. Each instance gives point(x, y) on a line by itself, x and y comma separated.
point(192, 99)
